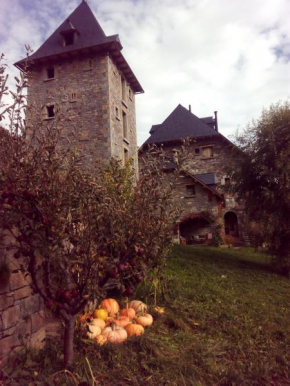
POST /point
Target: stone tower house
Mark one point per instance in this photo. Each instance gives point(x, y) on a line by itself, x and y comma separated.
point(81, 81)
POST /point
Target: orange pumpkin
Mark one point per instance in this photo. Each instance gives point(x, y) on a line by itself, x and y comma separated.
point(115, 334)
point(130, 312)
point(98, 322)
point(145, 320)
point(122, 321)
point(138, 306)
point(111, 305)
point(134, 329)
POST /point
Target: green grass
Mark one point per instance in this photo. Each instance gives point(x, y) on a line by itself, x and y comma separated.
point(226, 322)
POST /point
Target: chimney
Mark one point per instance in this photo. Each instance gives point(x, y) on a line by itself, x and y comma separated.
point(216, 121)
point(189, 108)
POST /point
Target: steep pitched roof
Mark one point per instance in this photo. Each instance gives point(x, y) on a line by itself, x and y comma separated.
point(180, 124)
point(89, 36)
point(204, 185)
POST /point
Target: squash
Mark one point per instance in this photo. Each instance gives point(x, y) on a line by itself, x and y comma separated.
point(111, 305)
point(101, 340)
point(98, 322)
point(138, 306)
point(115, 334)
point(122, 321)
point(145, 320)
point(100, 314)
point(134, 329)
point(93, 332)
point(130, 312)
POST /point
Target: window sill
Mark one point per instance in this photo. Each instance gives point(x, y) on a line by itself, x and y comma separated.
point(189, 197)
point(49, 79)
point(49, 118)
point(125, 104)
point(126, 141)
point(205, 158)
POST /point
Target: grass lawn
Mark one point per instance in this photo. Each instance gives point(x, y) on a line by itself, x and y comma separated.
point(226, 322)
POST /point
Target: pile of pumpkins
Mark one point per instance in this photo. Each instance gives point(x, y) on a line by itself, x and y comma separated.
point(110, 324)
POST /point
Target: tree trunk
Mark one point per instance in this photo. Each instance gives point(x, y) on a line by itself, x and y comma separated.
point(69, 332)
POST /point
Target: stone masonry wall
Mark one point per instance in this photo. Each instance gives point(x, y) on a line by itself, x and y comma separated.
point(197, 164)
point(21, 313)
point(118, 106)
point(80, 93)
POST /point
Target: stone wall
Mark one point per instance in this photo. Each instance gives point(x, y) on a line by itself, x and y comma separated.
point(22, 317)
point(79, 92)
point(89, 103)
point(122, 102)
point(197, 164)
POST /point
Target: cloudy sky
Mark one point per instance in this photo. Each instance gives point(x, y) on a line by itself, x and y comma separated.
point(232, 56)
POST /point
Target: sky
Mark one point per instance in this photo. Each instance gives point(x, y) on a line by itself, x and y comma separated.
point(229, 56)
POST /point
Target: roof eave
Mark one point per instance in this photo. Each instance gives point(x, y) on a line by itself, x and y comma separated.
point(114, 48)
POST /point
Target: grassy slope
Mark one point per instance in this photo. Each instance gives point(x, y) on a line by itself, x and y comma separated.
point(226, 322)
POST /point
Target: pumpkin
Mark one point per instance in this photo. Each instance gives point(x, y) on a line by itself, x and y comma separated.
point(100, 314)
point(115, 334)
point(98, 322)
point(145, 320)
point(130, 312)
point(122, 321)
point(100, 340)
point(111, 306)
point(134, 329)
point(138, 306)
point(93, 332)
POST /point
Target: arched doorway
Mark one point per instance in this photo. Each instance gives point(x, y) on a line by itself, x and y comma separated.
point(231, 224)
point(195, 230)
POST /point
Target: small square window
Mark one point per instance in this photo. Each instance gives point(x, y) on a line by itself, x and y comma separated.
point(50, 73)
point(197, 151)
point(190, 190)
point(227, 181)
point(207, 151)
point(117, 113)
point(50, 111)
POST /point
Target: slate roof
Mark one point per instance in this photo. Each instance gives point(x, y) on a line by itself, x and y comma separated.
point(207, 178)
point(89, 36)
point(180, 124)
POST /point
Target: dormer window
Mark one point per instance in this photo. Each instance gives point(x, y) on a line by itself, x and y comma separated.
point(68, 34)
point(69, 38)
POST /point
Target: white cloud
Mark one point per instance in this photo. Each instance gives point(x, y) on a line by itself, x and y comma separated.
point(229, 56)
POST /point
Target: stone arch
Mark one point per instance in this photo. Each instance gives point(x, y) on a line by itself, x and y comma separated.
point(195, 229)
point(231, 224)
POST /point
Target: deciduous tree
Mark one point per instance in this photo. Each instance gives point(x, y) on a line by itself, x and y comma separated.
point(260, 170)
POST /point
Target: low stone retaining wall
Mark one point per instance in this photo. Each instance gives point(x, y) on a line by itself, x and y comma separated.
point(22, 316)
